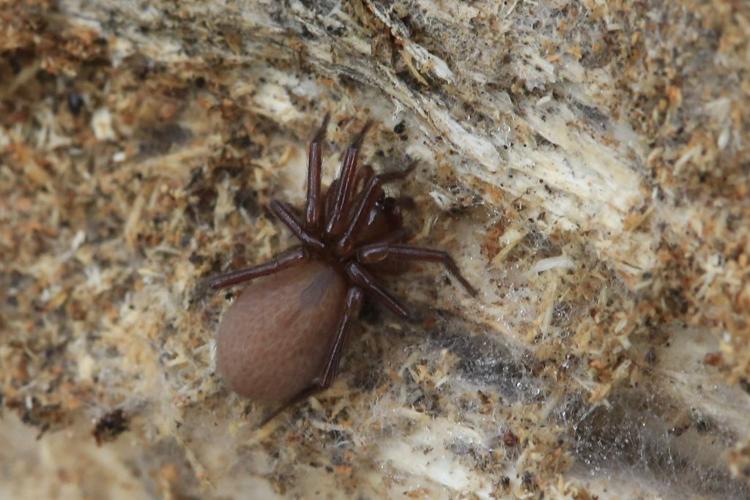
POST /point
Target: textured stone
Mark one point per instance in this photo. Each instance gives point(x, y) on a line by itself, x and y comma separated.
point(585, 162)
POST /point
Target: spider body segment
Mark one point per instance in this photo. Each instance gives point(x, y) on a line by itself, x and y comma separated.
point(282, 338)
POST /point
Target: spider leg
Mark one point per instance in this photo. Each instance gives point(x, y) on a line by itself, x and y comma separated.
point(364, 175)
point(354, 298)
point(368, 199)
point(286, 215)
point(378, 252)
point(362, 278)
point(314, 160)
point(329, 198)
point(281, 261)
point(345, 184)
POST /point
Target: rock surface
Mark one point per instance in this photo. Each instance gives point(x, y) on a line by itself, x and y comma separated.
point(587, 163)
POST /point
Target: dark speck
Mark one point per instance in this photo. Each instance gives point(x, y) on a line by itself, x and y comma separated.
point(247, 199)
point(528, 480)
point(75, 103)
point(243, 141)
point(369, 313)
point(593, 114)
point(158, 140)
point(307, 34)
point(110, 426)
point(702, 426)
point(336, 30)
point(509, 439)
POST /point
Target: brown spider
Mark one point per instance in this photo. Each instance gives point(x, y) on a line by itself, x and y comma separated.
point(281, 340)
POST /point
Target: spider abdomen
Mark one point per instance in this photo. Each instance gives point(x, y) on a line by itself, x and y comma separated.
point(273, 340)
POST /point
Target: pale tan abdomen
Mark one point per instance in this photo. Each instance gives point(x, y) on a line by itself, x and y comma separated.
point(274, 338)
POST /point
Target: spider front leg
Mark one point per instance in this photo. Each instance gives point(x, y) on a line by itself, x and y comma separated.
point(283, 260)
point(371, 254)
point(314, 162)
point(345, 184)
point(291, 221)
point(354, 298)
point(369, 197)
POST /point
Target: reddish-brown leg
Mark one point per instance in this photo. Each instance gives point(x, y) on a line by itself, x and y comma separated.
point(330, 195)
point(314, 161)
point(345, 185)
point(389, 266)
point(364, 174)
point(354, 298)
point(283, 260)
point(286, 215)
point(378, 252)
point(367, 200)
point(363, 177)
point(363, 279)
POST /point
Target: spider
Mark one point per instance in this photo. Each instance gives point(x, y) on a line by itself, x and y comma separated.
point(281, 340)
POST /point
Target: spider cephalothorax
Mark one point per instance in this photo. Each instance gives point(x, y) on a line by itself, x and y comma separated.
point(282, 338)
